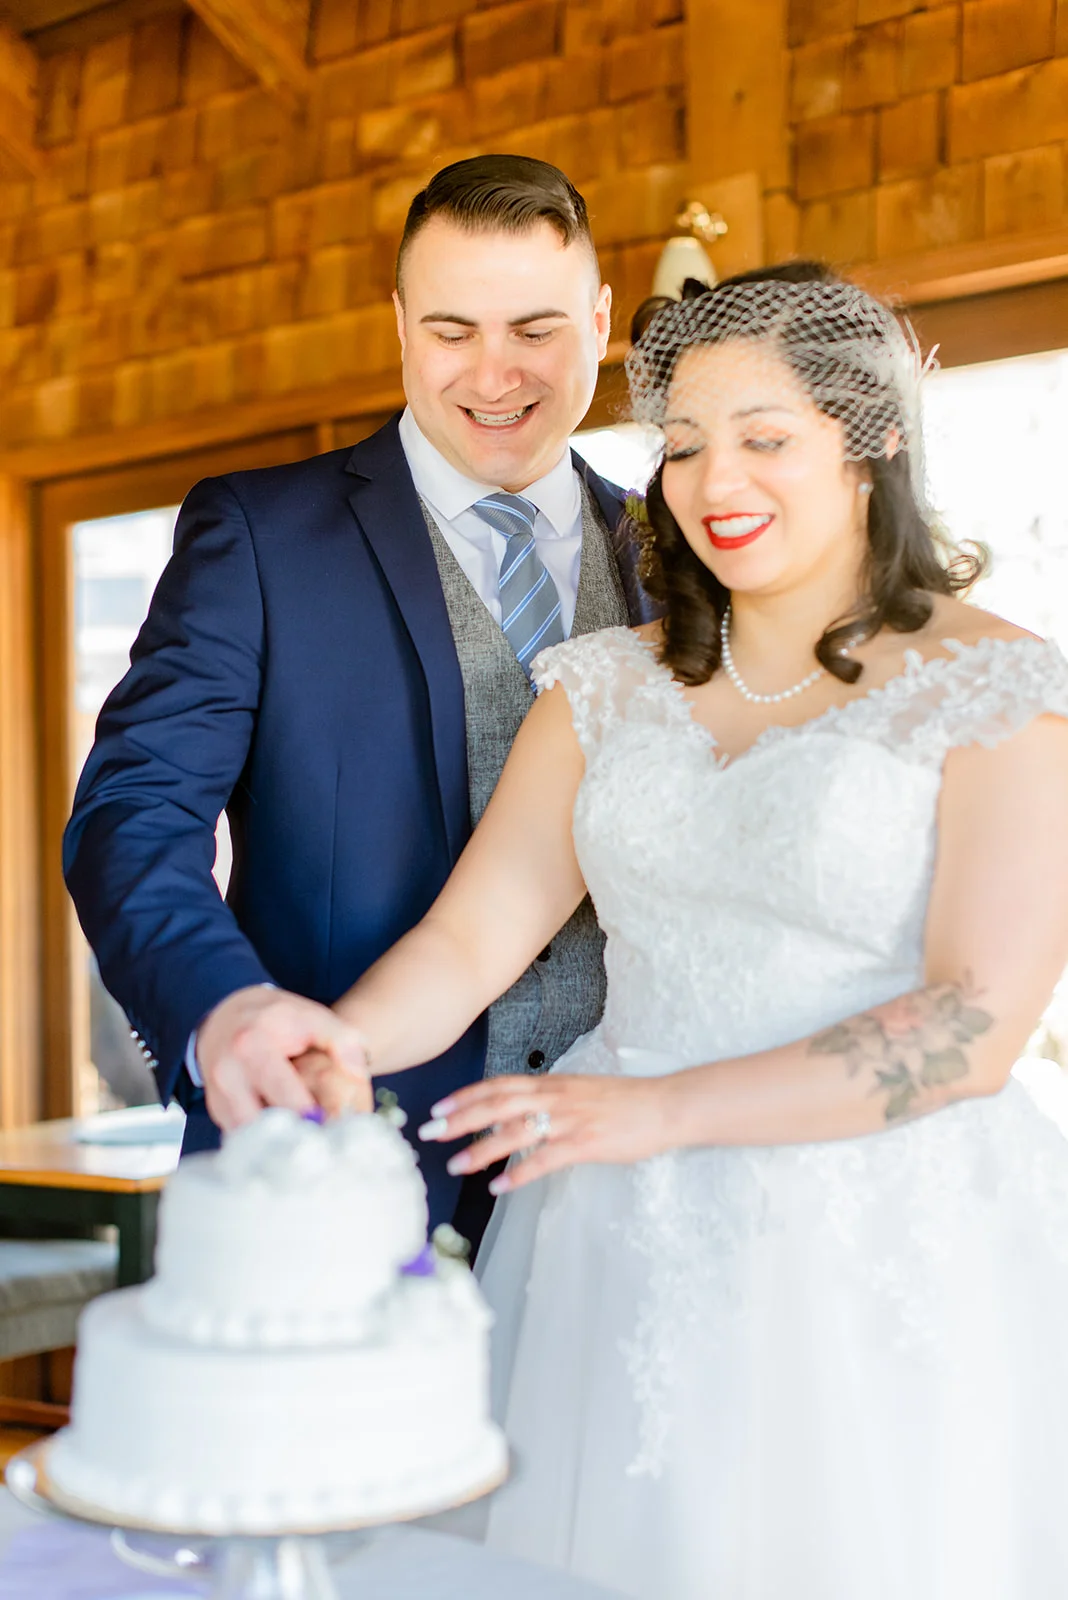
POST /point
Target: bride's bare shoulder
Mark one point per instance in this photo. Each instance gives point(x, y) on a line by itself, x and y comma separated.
point(969, 624)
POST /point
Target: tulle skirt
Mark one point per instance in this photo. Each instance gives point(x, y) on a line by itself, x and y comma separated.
point(826, 1372)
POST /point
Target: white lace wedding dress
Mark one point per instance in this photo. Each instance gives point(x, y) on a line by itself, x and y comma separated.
point(829, 1371)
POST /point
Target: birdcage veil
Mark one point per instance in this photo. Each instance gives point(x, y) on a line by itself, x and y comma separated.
point(856, 361)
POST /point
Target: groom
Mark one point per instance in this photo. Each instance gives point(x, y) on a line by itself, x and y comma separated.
point(338, 654)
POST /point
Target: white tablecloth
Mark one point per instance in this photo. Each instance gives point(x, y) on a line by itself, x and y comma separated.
point(44, 1558)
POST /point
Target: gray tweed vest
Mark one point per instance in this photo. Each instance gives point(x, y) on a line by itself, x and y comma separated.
point(562, 995)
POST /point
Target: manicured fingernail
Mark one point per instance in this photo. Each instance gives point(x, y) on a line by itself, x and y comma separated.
point(500, 1185)
point(434, 1130)
point(443, 1107)
point(458, 1163)
point(316, 1114)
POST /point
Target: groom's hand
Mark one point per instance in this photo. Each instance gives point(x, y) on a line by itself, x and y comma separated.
point(247, 1046)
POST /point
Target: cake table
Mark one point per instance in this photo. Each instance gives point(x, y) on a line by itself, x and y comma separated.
point(57, 1558)
point(281, 1566)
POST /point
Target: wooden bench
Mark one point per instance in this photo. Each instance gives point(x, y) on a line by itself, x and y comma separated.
point(44, 1285)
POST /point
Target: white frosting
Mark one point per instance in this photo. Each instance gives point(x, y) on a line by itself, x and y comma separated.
point(288, 1234)
point(282, 1153)
point(280, 1373)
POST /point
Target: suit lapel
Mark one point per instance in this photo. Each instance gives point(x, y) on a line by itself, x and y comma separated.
point(621, 541)
point(608, 497)
point(601, 601)
point(386, 507)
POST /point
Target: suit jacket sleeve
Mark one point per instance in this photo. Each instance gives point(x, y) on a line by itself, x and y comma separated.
point(171, 744)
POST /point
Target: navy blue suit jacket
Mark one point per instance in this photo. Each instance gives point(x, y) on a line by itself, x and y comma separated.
point(297, 667)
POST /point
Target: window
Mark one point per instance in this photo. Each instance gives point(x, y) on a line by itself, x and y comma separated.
point(117, 563)
point(626, 454)
point(995, 463)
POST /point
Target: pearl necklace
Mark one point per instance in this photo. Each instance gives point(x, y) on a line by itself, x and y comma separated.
point(736, 678)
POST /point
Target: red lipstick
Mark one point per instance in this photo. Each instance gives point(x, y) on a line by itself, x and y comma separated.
point(723, 541)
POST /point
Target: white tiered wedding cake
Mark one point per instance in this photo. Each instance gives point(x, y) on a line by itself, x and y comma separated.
point(299, 1362)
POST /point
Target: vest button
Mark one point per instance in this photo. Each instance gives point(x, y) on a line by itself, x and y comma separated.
point(546, 953)
point(536, 1060)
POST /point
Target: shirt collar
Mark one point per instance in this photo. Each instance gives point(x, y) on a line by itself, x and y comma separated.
point(451, 492)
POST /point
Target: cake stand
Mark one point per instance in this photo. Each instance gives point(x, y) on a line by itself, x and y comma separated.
point(287, 1565)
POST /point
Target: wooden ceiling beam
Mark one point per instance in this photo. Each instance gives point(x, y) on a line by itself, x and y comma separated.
point(18, 102)
point(269, 37)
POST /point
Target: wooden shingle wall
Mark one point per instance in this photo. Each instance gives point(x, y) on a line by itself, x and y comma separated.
point(921, 127)
point(194, 242)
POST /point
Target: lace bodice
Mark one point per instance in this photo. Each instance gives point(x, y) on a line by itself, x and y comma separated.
point(750, 902)
point(818, 1368)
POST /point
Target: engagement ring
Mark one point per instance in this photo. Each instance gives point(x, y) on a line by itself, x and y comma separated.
point(539, 1123)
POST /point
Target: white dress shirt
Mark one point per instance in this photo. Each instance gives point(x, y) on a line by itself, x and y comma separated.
point(480, 549)
point(451, 497)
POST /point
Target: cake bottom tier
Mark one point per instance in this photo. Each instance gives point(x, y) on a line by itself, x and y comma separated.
point(195, 1439)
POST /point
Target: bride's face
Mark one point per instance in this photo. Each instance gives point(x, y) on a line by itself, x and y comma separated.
point(756, 476)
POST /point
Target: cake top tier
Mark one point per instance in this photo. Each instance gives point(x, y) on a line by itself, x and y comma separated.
point(281, 1151)
point(287, 1235)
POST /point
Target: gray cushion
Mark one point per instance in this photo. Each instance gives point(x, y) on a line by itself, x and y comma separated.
point(44, 1283)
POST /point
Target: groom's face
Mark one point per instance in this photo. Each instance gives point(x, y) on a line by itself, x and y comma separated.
point(501, 335)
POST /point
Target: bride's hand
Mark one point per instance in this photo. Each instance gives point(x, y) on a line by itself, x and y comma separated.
point(333, 1087)
point(558, 1121)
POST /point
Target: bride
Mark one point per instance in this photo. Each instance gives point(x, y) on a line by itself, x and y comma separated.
point(781, 1279)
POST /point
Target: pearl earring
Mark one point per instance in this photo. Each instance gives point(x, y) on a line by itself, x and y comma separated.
point(865, 488)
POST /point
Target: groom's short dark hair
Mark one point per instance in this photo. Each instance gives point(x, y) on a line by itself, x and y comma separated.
point(512, 193)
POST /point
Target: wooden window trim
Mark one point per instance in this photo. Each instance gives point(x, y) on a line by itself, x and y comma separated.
point(200, 431)
point(994, 327)
point(20, 1013)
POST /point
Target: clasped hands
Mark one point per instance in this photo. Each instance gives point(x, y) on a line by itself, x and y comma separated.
point(267, 1047)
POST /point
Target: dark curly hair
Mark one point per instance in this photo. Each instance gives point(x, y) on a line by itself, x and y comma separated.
point(908, 559)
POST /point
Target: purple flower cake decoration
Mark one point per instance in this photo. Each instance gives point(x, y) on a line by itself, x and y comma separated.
point(421, 1266)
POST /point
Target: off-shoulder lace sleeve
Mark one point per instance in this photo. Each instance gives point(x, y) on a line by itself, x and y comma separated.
point(601, 674)
point(980, 694)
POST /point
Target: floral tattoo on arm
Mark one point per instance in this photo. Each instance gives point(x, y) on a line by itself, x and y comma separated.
point(917, 1043)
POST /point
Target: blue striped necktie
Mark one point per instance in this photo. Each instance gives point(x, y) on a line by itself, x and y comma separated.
point(530, 605)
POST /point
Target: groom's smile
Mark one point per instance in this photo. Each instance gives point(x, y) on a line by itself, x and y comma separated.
point(516, 420)
point(503, 419)
point(502, 332)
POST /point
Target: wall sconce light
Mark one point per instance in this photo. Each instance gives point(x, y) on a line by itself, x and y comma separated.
point(684, 255)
